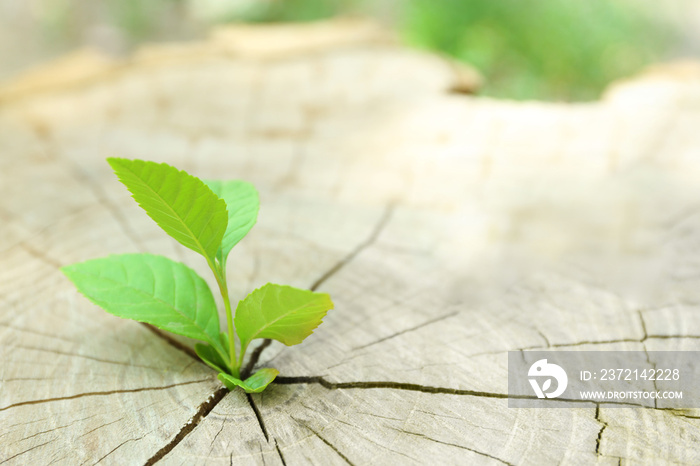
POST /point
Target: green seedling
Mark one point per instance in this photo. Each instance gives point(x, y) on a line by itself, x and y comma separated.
point(209, 218)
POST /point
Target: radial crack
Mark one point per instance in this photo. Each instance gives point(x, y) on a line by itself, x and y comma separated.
point(417, 327)
point(50, 430)
point(486, 455)
point(117, 447)
point(380, 384)
point(383, 220)
point(213, 441)
point(26, 451)
point(279, 452)
point(100, 427)
point(258, 416)
point(338, 452)
point(204, 409)
point(173, 342)
point(254, 357)
point(83, 356)
point(441, 390)
point(111, 392)
point(374, 234)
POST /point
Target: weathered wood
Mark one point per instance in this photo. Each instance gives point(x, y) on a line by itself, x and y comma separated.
point(448, 229)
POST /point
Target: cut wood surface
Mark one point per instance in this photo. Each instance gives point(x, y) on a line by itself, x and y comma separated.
point(448, 229)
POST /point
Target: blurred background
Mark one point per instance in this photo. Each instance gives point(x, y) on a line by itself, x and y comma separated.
point(558, 50)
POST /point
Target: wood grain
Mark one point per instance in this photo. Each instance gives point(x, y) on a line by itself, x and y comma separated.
point(448, 229)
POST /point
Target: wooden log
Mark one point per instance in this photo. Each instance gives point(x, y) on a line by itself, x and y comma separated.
point(448, 229)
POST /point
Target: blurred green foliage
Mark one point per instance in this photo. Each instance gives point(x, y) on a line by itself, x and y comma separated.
point(138, 17)
point(526, 49)
point(292, 10)
point(544, 49)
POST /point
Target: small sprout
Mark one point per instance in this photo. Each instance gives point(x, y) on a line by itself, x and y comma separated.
point(210, 218)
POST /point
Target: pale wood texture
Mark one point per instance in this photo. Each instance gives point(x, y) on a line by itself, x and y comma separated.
point(448, 230)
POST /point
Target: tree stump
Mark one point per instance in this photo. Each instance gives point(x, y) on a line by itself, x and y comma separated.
point(448, 229)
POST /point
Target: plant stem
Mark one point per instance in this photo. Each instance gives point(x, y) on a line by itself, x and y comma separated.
point(243, 350)
point(220, 274)
point(231, 335)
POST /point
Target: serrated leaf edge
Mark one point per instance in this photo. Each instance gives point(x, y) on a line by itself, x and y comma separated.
point(286, 315)
point(202, 249)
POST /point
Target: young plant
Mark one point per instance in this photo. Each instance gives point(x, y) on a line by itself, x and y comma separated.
point(209, 218)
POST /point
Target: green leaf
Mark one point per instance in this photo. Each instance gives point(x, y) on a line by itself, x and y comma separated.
point(242, 203)
point(283, 313)
point(211, 357)
point(261, 379)
point(223, 338)
point(253, 384)
point(151, 289)
point(179, 203)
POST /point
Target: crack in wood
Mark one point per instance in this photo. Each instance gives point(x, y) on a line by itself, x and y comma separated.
point(62, 427)
point(258, 416)
point(84, 356)
point(118, 447)
point(254, 357)
point(445, 391)
point(50, 430)
point(670, 337)
point(208, 406)
point(261, 423)
point(110, 392)
point(27, 451)
point(374, 234)
point(221, 429)
point(417, 327)
point(217, 396)
point(481, 453)
point(384, 447)
point(258, 113)
point(603, 426)
point(100, 427)
point(57, 460)
point(391, 385)
point(646, 351)
point(173, 342)
point(262, 455)
point(333, 447)
point(392, 418)
point(682, 414)
point(544, 337)
point(590, 342)
point(279, 452)
point(202, 412)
